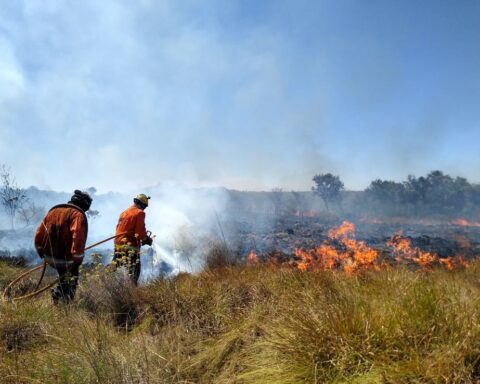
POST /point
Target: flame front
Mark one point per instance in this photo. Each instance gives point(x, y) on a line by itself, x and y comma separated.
point(343, 252)
point(403, 251)
point(252, 258)
point(465, 223)
point(352, 256)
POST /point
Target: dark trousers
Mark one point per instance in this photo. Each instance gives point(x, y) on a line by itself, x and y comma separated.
point(130, 259)
point(66, 287)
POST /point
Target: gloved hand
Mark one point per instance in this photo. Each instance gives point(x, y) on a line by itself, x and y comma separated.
point(147, 241)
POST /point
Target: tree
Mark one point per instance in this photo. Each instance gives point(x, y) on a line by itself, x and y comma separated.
point(385, 191)
point(328, 187)
point(416, 190)
point(446, 193)
point(387, 196)
point(474, 195)
point(30, 214)
point(436, 193)
point(11, 196)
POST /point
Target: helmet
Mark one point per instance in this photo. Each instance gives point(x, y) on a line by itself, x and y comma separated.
point(81, 199)
point(142, 199)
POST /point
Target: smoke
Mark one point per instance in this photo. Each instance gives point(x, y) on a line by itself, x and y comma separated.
point(181, 219)
point(183, 223)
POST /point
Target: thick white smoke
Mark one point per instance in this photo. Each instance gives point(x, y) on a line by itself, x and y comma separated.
point(183, 221)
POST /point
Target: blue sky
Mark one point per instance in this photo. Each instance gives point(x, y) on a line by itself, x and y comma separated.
point(243, 94)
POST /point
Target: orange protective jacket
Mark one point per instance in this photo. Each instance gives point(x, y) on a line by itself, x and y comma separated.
point(132, 223)
point(62, 233)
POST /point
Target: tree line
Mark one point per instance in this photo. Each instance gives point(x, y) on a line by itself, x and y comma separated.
point(436, 193)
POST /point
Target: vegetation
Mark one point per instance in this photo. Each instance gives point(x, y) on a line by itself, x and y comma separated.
point(16, 202)
point(437, 196)
point(436, 193)
point(328, 187)
point(11, 196)
point(30, 214)
point(258, 324)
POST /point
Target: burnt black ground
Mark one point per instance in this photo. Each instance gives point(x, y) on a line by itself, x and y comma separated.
point(268, 234)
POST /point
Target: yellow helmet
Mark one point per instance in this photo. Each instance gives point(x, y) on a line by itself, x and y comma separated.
point(142, 198)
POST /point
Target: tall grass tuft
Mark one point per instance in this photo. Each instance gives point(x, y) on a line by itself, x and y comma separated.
point(110, 295)
point(219, 256)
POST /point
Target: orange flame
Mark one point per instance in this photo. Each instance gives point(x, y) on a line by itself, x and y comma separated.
point(356, 255)
point(347, 229)
point(403, 251)
point(465, 223)
point(252, 258)
point(344, 252)
point(447, 263)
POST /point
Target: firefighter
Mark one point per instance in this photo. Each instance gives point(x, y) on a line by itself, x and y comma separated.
point(127, 247)
point(60, 240)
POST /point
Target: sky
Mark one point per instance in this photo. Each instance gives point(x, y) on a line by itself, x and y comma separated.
point(250, 95)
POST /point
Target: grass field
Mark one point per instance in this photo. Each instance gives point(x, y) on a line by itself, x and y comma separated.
point(254, 324)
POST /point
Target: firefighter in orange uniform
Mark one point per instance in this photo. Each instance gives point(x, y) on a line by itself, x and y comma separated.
point(127, 246)
point(60, 241)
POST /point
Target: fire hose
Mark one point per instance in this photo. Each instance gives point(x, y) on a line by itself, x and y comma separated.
point(43, 266)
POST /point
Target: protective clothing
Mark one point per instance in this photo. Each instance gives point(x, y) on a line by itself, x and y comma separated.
point(127, 246)
point(142, 199)
point(131, 221)
point(62, 233)
point(60, 240)
point(65, 290)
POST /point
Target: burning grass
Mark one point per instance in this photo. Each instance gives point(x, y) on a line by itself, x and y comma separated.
point(262, 323)
point(341, 251)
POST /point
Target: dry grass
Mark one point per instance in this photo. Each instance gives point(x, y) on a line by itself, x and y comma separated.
point(260, 324)
point(219, 256)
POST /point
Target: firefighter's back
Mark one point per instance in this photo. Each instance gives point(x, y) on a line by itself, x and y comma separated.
point(54, 236)
point(130, 223)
